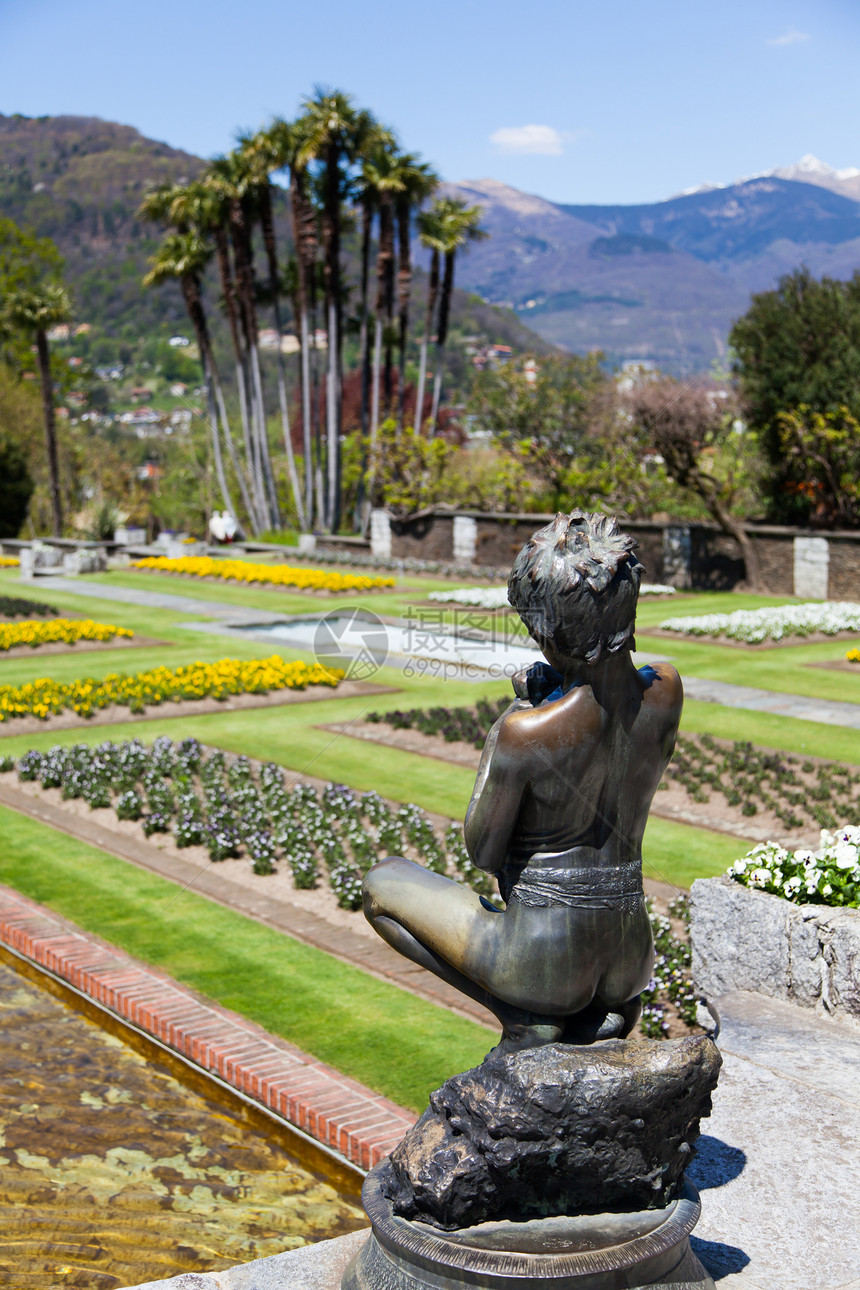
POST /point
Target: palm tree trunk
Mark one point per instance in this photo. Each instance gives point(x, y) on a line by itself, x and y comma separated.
point(364, 336)
point(307, 443)
point(267, 224)
point(232, 309)
point(432, 292)
point(364, 356)
point(374, 407)
point(442, 336)
point(193, 303)
point(243, 259)
point(331, 239)
point(231, 448)
point(404, 287)
point(44, 359)
point(304, 237)
point(265, 455)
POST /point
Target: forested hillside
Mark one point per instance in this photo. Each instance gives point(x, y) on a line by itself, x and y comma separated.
point(80, 181)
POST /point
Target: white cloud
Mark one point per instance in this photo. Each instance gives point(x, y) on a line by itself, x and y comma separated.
point(790, 37)
point(529, 140)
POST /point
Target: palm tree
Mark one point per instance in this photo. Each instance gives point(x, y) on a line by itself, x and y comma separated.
point(333, 133)
point(264, 152)
point(431, 234)
point(304, 225)
point(35, 310)
point(460, 226)
point(231, 179)
point(382, 175)
point(196, 207)
point(419, 181)
point(184, 256)
point(368, 200)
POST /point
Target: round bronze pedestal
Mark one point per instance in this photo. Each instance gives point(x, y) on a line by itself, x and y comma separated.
point(631, 1251)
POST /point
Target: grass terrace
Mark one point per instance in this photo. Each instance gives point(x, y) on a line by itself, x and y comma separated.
point(109, 897)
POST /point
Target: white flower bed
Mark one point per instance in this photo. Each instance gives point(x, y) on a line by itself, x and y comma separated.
point(829, 876)
point(756, 625)
point(497, 597)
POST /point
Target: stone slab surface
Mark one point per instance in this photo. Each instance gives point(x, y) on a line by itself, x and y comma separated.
point(313, 1267)
point(778, 1166)
point(827, 712)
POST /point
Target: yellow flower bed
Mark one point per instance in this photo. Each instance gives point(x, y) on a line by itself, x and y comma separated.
point(9, 561)
point(44, 698)
point(853, 656)
point(67, 630)
point(279, 575)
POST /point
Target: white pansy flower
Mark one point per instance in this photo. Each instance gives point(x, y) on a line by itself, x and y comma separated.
point(845, 855)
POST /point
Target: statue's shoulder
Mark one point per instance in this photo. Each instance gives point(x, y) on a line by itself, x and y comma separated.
point(661, 684)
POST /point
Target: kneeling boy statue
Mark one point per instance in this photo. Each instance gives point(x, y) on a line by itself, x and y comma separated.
point(558, 811)
point(560, 1159)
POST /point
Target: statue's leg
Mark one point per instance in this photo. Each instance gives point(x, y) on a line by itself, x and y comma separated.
point(520, 1029)
point(445, 928)
point(599, 1022)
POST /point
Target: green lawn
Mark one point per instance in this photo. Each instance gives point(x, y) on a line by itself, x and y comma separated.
point(339, 1013)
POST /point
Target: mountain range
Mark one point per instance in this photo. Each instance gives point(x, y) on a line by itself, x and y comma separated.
point(659, 282)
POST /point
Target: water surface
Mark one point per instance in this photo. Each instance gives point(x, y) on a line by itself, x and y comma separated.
point(113, 1173)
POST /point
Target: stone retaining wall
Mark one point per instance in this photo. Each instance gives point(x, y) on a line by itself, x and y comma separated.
point(744, 939)
point(793, 562)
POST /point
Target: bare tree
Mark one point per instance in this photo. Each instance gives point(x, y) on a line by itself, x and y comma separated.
point(687, 425)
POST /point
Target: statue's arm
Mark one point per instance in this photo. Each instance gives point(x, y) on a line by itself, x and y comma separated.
point(496, 799)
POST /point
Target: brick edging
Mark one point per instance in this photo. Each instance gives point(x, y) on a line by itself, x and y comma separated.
point(336, 1111)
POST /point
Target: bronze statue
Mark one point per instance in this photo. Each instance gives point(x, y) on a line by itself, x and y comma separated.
point(558, 811)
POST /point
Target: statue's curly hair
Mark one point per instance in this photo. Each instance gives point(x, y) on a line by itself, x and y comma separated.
point(575, 585)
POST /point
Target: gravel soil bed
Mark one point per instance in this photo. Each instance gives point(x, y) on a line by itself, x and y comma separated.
point(81, 647)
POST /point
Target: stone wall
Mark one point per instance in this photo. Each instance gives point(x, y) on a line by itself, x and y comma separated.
point(793, 562)
point(750, 940)
point(844, 579)
point(423, 537)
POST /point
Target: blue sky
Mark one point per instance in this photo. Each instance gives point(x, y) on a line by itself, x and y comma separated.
point(572, 99)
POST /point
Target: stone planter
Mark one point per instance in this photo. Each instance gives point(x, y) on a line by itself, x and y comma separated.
point(744, 939)
point(84, 560)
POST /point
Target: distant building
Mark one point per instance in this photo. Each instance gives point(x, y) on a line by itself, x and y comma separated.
point(178, 388)
point(145, 416)
point(62, 331)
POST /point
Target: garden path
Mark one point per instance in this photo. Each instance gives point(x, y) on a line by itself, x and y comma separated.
point(158, 600)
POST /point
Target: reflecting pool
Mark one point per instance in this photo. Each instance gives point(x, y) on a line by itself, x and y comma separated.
point(113, 1173)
